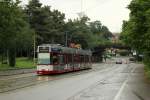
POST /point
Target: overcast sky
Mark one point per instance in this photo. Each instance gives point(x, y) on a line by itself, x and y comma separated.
point(110, 12)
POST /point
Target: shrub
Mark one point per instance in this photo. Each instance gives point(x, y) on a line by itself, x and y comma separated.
point(123, 52)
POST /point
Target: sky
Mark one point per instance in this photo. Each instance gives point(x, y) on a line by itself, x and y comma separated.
point(111, 13)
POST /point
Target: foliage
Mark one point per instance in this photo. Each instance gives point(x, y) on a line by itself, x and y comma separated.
point(147, 71)
point(97, 28)
point(19, 27)
point(46, 23)
point(136, 31)
point(88, 34)
point(50, 27)
point(12, 25)
point(78, 31)
point(123, 52)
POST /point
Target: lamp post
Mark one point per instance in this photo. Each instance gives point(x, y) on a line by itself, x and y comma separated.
point(34, 47)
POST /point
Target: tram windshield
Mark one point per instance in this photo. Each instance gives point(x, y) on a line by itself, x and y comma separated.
point(43, 58)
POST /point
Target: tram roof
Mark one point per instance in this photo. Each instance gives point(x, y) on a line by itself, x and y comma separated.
point(67, 49)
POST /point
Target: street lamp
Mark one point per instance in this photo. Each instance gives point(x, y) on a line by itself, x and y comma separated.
point(34, 46)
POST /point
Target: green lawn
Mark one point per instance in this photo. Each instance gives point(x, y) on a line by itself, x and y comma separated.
point(20, 63)
point(147, 71)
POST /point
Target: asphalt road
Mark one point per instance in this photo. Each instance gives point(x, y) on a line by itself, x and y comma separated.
point(107, 81)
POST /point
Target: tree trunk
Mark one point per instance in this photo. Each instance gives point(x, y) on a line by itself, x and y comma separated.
point(2, 58)
point(12, 57)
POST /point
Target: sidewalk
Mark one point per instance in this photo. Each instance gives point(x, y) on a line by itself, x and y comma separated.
point(16, 71)
point(137, 87)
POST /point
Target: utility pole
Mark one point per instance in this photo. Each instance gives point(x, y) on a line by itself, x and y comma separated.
point(81, 6)
point(81, 13)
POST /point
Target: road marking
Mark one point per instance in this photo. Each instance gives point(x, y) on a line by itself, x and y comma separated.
point(117, 97)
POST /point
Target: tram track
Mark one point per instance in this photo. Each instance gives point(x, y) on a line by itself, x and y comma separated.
point(26, 80)
point(2, 78)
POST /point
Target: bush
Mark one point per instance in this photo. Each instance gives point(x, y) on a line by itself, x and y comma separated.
point(147, 71)
point(123, 52)
point(147, 66)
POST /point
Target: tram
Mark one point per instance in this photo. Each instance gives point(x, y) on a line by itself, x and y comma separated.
point(55, 59)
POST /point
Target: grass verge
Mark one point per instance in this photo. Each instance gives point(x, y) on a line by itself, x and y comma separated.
point(147, 71)
point(21, 63)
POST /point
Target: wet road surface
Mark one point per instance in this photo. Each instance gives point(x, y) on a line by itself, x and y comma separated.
point(104, 82)
point(8, 83)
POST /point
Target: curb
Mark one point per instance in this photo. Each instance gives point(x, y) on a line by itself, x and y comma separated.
point(16, 71)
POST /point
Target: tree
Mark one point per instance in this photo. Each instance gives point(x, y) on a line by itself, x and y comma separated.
point(106, 33)
point(136, 31)
point(12, 25)
point(96, 27)
point(48, 24)
point(88, 34)
point(79, 32)
point(99, 29)
point(33, 11)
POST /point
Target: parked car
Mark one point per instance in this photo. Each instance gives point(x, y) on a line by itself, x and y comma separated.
point(132, 59)
point(119, 61)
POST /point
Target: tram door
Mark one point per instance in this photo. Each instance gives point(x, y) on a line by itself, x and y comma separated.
point(58, 61)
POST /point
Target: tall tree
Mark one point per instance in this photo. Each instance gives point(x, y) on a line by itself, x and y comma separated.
point(88, 34)
point(47, 24)
point(99, 29)
point(12, 25)
point(136, 31)
point(33, 10)
point(96, 27)
point(79, 32)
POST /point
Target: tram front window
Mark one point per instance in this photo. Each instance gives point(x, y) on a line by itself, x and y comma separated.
point(43, 58)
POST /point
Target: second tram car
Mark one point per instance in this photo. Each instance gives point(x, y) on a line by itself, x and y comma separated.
point(54, 59)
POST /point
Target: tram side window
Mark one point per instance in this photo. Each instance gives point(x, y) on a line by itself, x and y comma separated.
point(79, 58)
point(76, 58)
point(61, 59)
point(70, 58)
point(86, 58)
point(89, 57)
point(54, 58)
point(82, 58)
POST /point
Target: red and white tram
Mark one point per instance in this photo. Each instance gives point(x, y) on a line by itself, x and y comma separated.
point(54, 59)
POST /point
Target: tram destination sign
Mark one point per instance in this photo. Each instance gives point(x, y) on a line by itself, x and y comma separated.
point(43, 49)
point(56, 49)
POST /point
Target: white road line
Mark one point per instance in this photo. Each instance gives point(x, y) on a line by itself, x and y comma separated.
point(117, 97)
